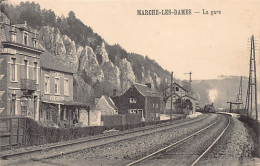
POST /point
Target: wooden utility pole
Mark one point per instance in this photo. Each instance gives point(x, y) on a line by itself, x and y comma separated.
point(171, 94)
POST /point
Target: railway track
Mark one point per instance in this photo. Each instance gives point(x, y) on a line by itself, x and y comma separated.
point(64, 148)
point(174, 153)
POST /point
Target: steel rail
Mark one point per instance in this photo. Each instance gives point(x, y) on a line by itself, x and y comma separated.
point(180, 141)
point(6, 156)
point(216, 140)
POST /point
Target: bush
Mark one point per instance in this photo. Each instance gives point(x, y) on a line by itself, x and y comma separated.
point(38, 135)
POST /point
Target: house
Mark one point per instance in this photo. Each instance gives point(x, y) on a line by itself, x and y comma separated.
point(140, 99)
point(57, 105)
point(33, 83)
point(106, 105)
point(19, 70)
point(177, 92)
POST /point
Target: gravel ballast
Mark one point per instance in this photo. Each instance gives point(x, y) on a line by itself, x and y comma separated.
point(122, 152)
point(233, 148)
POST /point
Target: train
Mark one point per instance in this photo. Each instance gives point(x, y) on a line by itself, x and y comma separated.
point(208, 108)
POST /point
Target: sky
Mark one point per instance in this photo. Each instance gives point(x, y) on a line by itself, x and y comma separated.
point(206, 45)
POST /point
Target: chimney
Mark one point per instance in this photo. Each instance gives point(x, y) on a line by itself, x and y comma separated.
point(114, 92)
point(148, 85)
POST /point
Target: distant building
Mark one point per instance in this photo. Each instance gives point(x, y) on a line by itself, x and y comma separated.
point(139, 99)
point(106, 105)
point(19, 71)
point(177, 92)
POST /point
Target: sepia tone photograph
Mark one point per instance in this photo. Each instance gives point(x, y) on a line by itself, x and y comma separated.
point(129, 82)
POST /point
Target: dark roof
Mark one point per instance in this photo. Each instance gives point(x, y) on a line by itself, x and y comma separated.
point(110, 102)
point(116, 100)
point(49, 61)
point(145, 90)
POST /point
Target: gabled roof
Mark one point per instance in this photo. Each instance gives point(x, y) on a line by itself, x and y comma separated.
point(178, 85)
point(48, 61)
point(110, 102)
point(144, 90)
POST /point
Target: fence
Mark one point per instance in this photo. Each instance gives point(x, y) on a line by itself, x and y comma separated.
point(12, 132)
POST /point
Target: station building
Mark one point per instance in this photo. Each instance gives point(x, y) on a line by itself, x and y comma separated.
point(57, 107)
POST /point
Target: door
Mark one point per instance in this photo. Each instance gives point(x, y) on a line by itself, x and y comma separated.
point(35, 106)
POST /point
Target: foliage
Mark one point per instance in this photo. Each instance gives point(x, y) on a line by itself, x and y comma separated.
point(35, 17)
point(39, 135)
point(183, 104)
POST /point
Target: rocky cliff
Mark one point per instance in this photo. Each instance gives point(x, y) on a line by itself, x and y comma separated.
point(94, 67)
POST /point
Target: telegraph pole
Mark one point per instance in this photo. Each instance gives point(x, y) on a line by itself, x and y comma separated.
point(190, 73)
point(239, 96)
point(171, 95)
point(252, 82)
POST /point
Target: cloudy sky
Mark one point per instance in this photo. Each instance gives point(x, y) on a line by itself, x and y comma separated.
point(207, 45)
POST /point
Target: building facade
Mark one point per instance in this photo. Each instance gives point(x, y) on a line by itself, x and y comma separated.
point(140, 99)
point(33, 83)
point(19, 71)
point(57, 105)
point(178, 92)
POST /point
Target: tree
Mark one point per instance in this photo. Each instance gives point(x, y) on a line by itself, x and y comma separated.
point(48, 18)
point(187, 85)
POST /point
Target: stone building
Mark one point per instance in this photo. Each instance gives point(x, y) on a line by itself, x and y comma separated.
point(106, 105)
point(33, 83)
point(19, 71)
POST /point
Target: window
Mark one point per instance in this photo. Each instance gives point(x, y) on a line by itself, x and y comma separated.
point(66, 87)
point(26, 70)
point(35, 72)
point(57, 86)
point(35, 43)
point(13, 105)
point(132, 100)
point(13, 69)
point(47, 84)
point(177, 89)
point(25, 38)
point(133, 111)
point(13, 37)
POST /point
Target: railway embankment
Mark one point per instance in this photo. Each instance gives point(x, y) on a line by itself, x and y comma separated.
point(121, 152)
point(240, 146)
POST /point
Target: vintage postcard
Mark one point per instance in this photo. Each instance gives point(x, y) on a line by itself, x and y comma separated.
point(129, 82)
